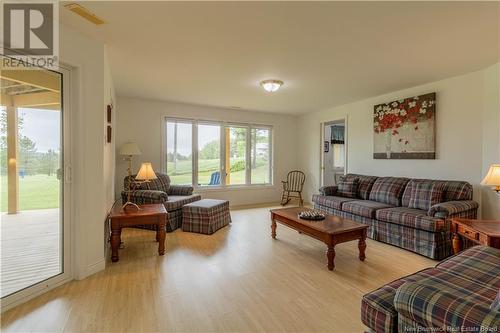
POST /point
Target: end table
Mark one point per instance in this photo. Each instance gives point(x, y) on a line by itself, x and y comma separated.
point(482, 232)
point(130, 217)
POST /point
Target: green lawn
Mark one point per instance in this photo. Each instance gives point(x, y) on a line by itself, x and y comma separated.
point(207, 167)
point(42, 191)
point(35, 192)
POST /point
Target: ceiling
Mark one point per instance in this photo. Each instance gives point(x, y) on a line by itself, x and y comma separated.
point(327, 53)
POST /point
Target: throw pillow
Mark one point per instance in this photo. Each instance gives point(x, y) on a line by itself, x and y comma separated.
point(424, 195)
point(348, 187)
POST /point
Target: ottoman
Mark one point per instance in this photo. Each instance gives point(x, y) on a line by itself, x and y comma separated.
point(205, 216)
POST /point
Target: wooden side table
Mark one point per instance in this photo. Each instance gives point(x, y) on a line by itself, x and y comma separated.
point(130, 217)
point(482, 232)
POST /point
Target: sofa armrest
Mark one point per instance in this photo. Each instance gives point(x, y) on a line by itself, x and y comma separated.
point(432, 306)
point(180, 190)
point(450, 208)
point(328, 190)
point(142, 197)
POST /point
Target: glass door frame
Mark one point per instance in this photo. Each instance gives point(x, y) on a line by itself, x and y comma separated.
point(66, 213)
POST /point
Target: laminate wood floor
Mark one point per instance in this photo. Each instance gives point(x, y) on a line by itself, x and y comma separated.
point(237, 280)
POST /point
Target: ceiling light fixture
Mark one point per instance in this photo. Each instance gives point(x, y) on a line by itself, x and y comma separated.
point(271, 85)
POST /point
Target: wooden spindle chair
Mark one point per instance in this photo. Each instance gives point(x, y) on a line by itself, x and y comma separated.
point(292, 187)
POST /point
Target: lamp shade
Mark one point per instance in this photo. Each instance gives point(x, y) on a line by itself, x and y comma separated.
point(493, 176)
point(130, 148)
point(146, 172)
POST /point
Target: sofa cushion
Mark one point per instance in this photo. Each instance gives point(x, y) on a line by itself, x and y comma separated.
point(411, 217)
point(348, 187)
point(425, 195)
point(447, 300)
point(377, 307)
point(365, 184)
point(388, 190)
point(453, 190)
point(334, 202)
point(479, 263)
point(364, 208)
point(177, 201)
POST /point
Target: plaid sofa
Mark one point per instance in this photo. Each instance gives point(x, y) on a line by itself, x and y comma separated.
point(383, 203)
point(159, 190)
point(458, 295)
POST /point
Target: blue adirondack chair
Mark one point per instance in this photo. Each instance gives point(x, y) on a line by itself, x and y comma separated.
point(215, 178)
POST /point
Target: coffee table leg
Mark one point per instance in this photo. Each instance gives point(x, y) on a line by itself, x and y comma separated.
point(160, 235)
point(115, 242)
point(362, 248)
point(273, 229)
point(330, 254)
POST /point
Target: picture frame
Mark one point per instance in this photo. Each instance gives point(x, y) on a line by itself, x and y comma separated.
point(405, 128)
point(109, 134)
point(109, 109)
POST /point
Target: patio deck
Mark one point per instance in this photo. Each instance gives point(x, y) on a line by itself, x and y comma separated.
point(30, 245)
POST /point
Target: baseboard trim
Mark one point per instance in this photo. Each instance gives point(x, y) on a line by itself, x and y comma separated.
point(266, 204)
point(91, 269)
point(256, 205)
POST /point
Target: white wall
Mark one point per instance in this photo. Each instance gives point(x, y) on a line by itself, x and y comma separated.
point(109, 148)
point(491, 137)
point(141, 121)
point(459, 134)
point(92, 167)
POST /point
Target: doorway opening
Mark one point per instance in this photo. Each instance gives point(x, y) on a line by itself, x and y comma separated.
point(334, 156)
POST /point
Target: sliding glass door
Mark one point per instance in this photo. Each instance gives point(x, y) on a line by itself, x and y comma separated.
point(34, 235)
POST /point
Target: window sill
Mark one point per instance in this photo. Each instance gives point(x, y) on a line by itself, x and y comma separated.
point(202, 189)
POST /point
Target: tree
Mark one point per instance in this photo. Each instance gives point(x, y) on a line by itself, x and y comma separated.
point(258, 136)
point(27, 154)
point(49, 162)
point(24, 142)
point(210, 151)
point(238, 138)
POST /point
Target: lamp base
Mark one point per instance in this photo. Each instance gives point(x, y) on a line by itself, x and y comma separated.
point(128, 203)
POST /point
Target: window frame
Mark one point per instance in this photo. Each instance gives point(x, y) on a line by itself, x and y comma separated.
point(194, 148)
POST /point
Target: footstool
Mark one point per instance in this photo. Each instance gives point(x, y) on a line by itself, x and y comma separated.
point(205, 216)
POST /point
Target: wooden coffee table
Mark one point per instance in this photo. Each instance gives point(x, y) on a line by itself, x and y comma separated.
point(130, 217)
point(332, 231)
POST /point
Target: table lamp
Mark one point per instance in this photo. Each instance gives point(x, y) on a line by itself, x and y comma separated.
point(493, 178)
point(129, 150)
point(146, 173)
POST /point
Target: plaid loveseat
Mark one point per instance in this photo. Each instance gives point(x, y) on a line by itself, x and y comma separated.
point(458, 295)
point(383, 203)
point(159, 190)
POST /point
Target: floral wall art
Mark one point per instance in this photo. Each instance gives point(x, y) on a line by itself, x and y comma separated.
point(405, 129)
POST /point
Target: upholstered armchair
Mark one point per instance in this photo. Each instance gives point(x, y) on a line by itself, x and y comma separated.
point(159, 190)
